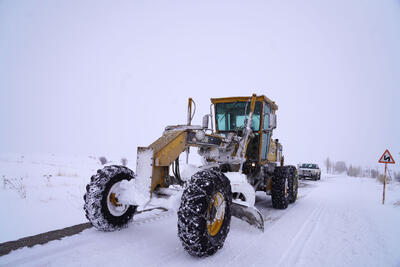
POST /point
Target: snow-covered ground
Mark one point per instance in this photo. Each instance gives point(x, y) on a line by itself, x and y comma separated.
point(338, 221)
point(53, 187)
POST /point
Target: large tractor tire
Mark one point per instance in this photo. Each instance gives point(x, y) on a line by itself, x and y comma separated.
point(280, 187)
point(101, 199)
point(204, 215)
point(293, 184)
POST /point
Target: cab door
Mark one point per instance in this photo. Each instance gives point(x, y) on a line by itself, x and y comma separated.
point(266, 133)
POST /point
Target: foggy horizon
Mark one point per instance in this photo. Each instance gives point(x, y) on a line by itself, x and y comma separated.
point(103, 78)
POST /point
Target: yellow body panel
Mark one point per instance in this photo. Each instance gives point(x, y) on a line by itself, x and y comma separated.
point(166, 149)
point(157, 178)
point(170, 152)
point(272, 155)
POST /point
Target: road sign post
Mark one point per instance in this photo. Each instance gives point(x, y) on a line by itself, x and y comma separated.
point(387, 159)
point(384, 186)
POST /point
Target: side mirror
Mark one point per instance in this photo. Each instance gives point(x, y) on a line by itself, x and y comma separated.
point(205, 121)
point(272, 121)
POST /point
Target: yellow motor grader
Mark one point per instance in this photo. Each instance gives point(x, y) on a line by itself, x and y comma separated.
point(240, 158)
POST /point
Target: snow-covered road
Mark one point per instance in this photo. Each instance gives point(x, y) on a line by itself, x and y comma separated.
point(338, 221)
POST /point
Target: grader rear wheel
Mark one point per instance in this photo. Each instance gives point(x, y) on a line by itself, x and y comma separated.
point(280, 188)
point(205, 213)
point(293, 184)
point(215, 214)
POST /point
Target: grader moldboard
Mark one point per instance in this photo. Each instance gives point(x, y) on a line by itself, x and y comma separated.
point(240, 158)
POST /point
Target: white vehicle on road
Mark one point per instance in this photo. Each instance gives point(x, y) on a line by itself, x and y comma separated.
point(310, 170)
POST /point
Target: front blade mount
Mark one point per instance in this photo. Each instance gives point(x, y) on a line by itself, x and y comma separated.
point(248, 214)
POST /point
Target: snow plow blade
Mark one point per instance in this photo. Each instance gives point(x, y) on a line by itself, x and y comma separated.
point(249, 214)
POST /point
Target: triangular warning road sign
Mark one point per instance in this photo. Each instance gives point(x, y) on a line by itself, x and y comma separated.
point(386, 158)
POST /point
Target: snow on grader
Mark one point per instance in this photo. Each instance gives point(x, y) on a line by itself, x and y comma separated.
point(240, 158)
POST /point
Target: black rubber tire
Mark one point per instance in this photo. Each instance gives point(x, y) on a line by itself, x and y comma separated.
point(280, 199)
point(293, 184)
point(95, 199)
point(192, 214)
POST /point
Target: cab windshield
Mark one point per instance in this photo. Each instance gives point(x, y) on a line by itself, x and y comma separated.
point(233, 116)
point(309, 166)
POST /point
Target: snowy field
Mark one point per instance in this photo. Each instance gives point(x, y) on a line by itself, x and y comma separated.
point(47, 193)
point(338, 221)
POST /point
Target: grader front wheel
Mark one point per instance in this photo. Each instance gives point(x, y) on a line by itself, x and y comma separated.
point(101, 199)
point(205, 213)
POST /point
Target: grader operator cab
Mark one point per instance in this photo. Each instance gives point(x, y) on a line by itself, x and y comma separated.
point(240, 158)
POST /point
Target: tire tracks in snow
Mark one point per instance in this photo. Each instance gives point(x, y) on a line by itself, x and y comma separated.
point(293, 253)
point(272, 217)
point(153, 218)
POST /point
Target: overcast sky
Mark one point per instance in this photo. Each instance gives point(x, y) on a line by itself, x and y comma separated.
point(100, 77)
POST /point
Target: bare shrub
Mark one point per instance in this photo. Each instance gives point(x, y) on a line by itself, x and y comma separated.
point(328, 164)
point(374, 173)
point(340, 167)
point(17, 185)
point(66, 173)
point(124, 162)
point(103, 160)
point(382, 176)
point(48, 177)
point(354, 171)
point(397, 176)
